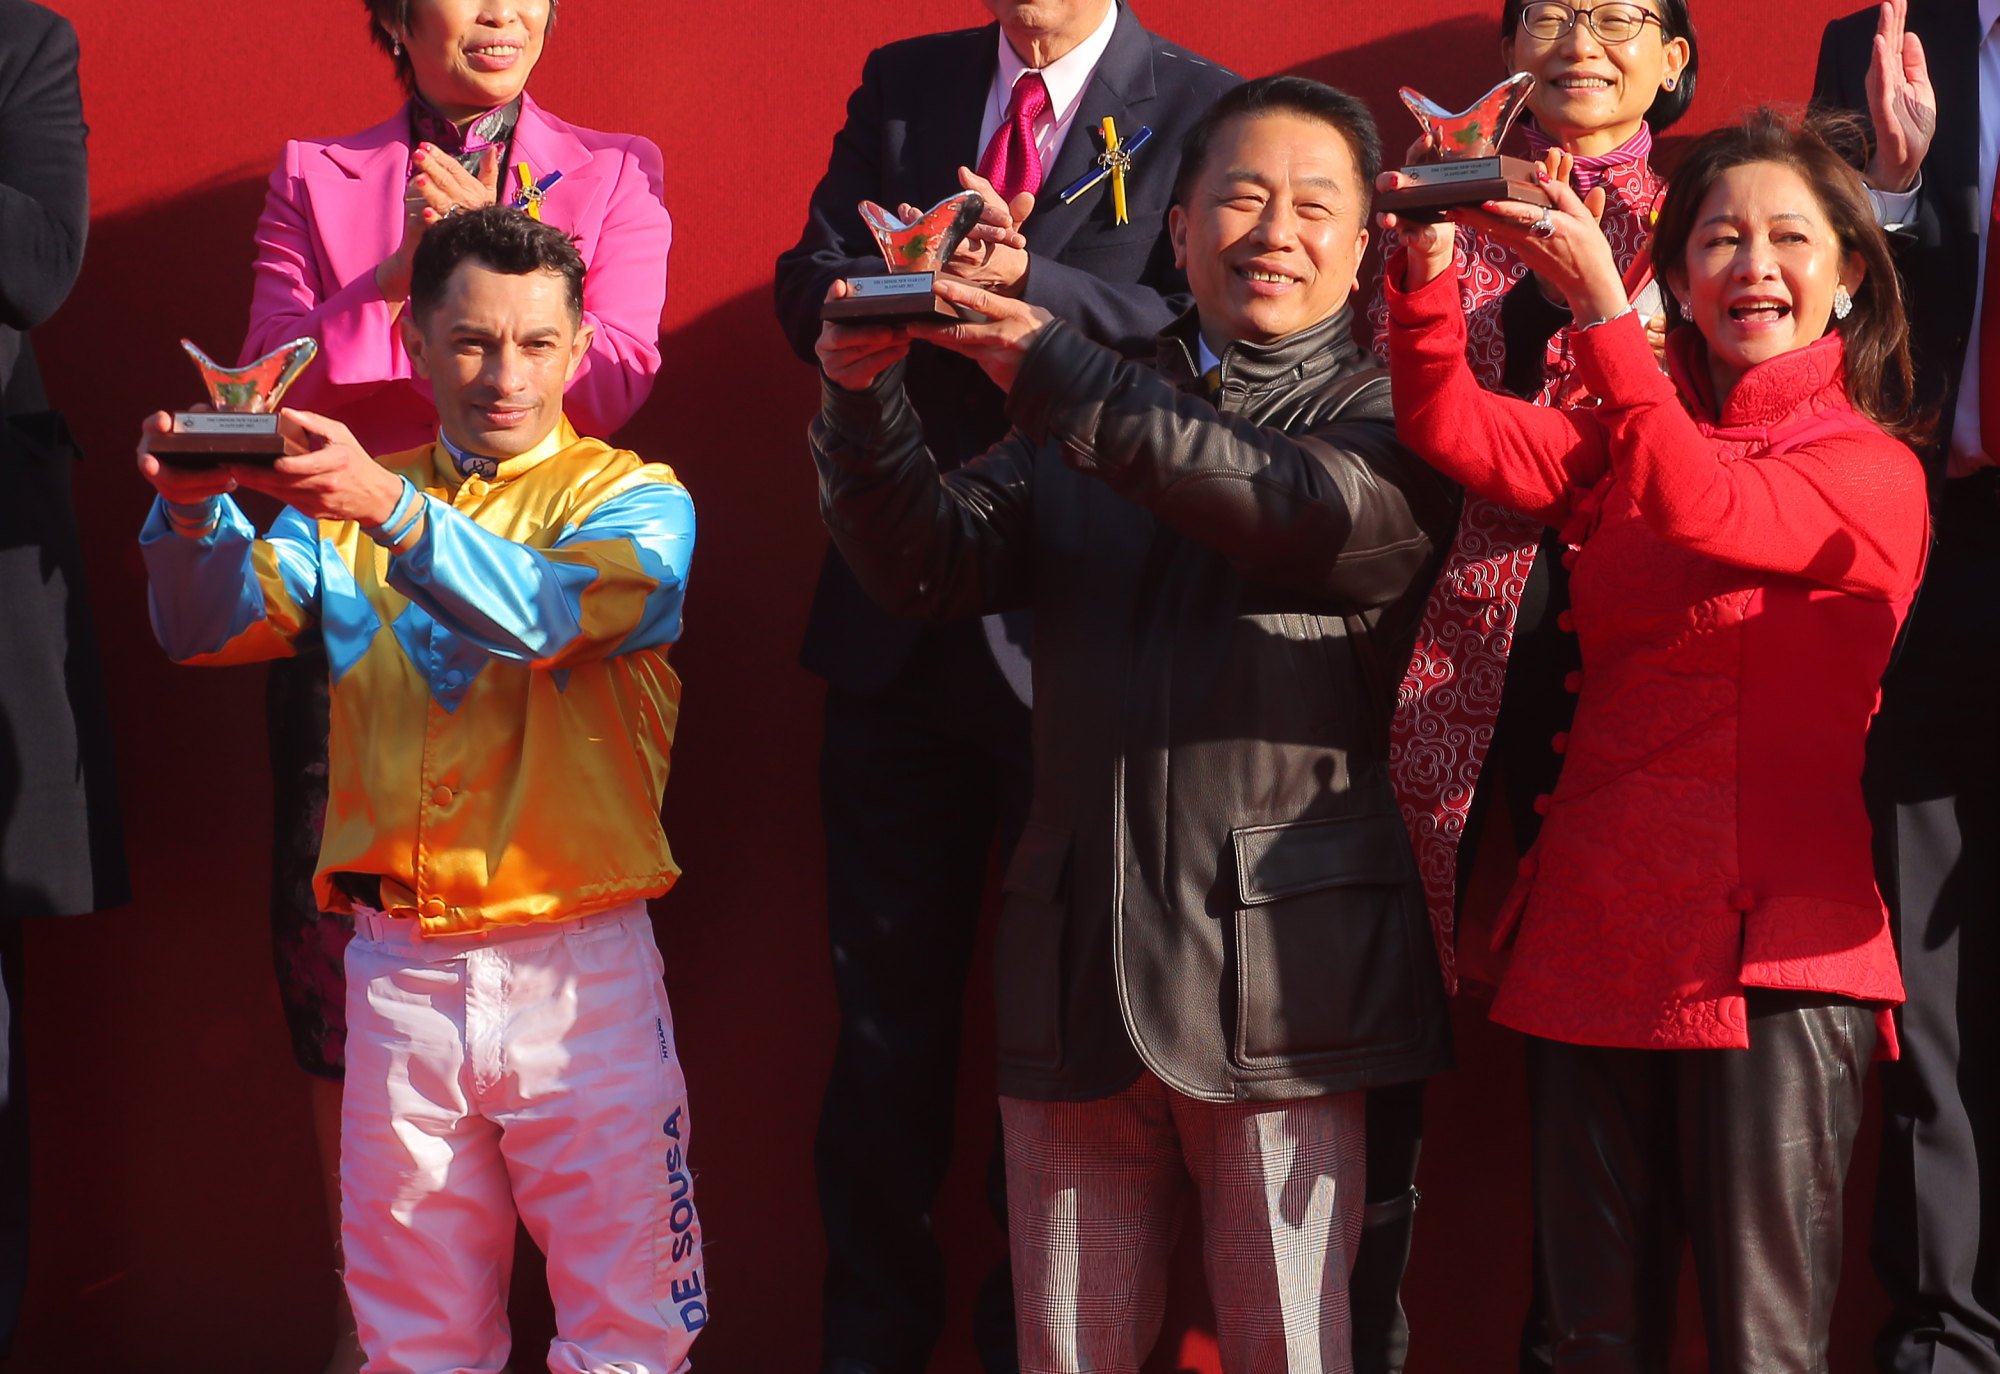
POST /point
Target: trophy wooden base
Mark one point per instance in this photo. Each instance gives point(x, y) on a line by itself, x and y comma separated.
point(1459, 185)
point(897, 298)
point(202, 439)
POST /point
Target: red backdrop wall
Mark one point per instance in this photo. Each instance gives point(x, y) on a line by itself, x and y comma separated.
point(178, 1223)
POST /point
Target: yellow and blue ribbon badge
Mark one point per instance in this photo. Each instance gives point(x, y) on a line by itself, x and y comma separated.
point(532, 192)
point(1114, 162)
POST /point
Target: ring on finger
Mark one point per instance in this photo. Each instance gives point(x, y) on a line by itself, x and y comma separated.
point(1545, 227)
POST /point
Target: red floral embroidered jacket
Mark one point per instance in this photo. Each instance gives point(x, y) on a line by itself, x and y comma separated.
point(1449, 700)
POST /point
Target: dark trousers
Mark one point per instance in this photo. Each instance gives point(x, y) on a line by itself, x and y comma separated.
point(13, 1138)
point(1741, 1153)
point(917, 783)
point(1381, 1330)
point(1934, 788)
point(1523, 765)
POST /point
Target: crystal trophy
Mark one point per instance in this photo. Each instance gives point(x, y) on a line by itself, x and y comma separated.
point(243, 427)
point(916, 252)
point(1460, 164)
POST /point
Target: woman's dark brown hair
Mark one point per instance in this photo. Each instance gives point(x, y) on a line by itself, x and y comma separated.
point(388, 17)
point(1823, 149)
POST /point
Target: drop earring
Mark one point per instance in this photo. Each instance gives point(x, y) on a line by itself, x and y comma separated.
point(1687, 311)
point(1843, 303)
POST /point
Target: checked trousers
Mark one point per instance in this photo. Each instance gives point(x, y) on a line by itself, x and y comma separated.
point(1095, 1192)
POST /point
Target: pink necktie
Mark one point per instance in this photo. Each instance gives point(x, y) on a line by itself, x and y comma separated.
point(1012, 162)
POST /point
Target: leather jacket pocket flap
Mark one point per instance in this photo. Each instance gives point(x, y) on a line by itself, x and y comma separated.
point(1277, 861)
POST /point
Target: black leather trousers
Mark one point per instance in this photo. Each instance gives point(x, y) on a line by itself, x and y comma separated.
point(1740, 1152)
point(1381, 1329)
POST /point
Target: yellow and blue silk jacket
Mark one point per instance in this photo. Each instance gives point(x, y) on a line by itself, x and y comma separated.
point(503, 711)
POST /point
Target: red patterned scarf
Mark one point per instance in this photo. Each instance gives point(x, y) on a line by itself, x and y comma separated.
point(1450, 695)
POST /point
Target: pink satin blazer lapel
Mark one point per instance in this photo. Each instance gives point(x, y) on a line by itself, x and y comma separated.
point(356, 192)
point(356, 187)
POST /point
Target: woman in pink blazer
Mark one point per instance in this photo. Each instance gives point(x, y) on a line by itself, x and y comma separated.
point(341, 222)
point(336, 215)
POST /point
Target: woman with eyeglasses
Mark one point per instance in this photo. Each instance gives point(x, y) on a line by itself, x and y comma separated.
point(1699, 956)
point(1608, 77)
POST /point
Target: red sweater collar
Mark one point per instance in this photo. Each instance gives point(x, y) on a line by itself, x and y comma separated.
point(1797, 384)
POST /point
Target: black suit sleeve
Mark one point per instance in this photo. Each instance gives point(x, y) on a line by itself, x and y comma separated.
point(835, 242)
point(1831, 88)
point(1840, 82)
point(1938, 269)
point(44, 176)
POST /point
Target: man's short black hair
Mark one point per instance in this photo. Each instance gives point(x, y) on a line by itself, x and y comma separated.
point(1298, 95)
point(496, 236)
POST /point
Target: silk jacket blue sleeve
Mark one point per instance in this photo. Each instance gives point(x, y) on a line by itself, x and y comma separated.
point(611, 582)
point(223, 595)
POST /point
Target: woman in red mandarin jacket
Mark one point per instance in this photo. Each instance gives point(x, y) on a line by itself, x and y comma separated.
point(1699, 955)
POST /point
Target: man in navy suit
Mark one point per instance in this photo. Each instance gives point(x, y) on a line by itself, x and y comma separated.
point(1933, 774)
point(925, 760)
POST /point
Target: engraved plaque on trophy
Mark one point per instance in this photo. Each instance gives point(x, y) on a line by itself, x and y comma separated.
point(243, 427)
point(916, 252)
point(1461, 164)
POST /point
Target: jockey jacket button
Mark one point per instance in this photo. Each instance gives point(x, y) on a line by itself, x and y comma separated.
point(474, 487)
point(1566, 621)
point(1560, 741)
point(441, 797)
point(1742, 899)
point(1543, 804)
point(1572, 682)
point(1527, 866)
point(434, 907)
point(1569, 558)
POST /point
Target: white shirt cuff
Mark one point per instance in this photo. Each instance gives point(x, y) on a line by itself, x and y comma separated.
point(1894, 209)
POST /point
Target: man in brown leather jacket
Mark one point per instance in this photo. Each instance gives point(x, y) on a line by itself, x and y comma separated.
point(1213, 938)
